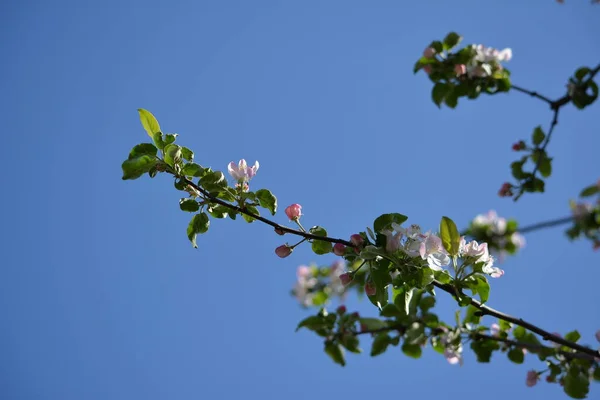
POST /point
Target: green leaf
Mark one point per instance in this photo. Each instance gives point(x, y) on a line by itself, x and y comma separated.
point(517, 170)
point(573, 336)
point(442, 276)
point(193, 169)
point(538, 135)
point(385, 221)
point(157, 138)
point(149, 123)
point(412, 350)
point(590, 191)
point(597, 374)
point(437, 45)
point(484, 349)
point(451, 40)
point(187, 154)
point(545, 166)
point(372, 323)
point(320, 247)
point(136, 167)
point(336, 352)
point(439, 92)
point(267, 200)
point(143, 149)
point(450, 236)
point(351, 343)
point(451, 98)
point(408, 294)
point(314, 322)
point(380, 277)
point(426, 303)
point(483, 288)
point(472, 316)
point(218, 211)
point(170, 138)
point(189, 205)
point(516, 355)
point(380, 344)
point(198, 225)
point(213, 182)
point(577, 384)
point(390, 311)
point(172, 154)
point(582, 72)
point(519, 332)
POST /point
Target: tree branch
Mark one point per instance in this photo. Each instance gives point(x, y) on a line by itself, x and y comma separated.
point(445, 287)
point(545, 224)
point(519, 321)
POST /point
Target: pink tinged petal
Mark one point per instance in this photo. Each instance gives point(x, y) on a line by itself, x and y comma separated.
point(303, 272)
point(532, 378)
point(495, 329)
point(429, 52)
point(497, 273)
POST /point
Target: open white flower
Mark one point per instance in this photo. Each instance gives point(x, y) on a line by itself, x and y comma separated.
point(242, 172)
point(432, 250)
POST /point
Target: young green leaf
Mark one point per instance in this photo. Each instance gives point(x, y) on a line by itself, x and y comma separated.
point(439, 92)
point(189, 205)
point(198, 225)
point(450, 236)
point(136, 167)
point(516, 355)
point(538, 135)
point(451, 40)
point(336, 352)
point(193, 169)
point(148, 121)
point(267, 200)
point(380, 344)
point(385, 221)
point(320, 247)
point(412, 350)
point(143, 149)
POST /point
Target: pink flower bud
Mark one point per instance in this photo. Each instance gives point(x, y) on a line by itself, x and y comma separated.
point(598, 335)
point(346, 278)
point(283, 251)
point(532, 378)
point(357, 240)
point(279, 231)
point(520, 145)
point(294, 212)
point(505, 190)
point(339, 249)
point(370, 289)
point(460, 69)
point(427, 69)
point(341, 309)
point(355, 315)
point(429, 52)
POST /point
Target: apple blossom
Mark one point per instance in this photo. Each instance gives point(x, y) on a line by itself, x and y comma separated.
point(284, 250)
point(460, 69)
point(532, 378)
point(429, 52)
point(474, 249)
point(339, 249)
point(392, 240)
point(495, 330)
point(432, 250)
point(293, 212)
point(242, 172)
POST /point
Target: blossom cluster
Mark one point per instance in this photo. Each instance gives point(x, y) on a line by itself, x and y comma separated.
point(429, 248)
point(500, 234)
point(586, 216)
point(315, 286)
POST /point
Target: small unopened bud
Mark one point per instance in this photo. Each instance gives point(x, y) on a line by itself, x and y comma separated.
point(293, 212)
point(370, 289)
point(283, 251)
point(460, 69)
point(532, 378)
point(429, 52)
point(341, 309)
point(518, 146)
point(505, 190)
point(427, 69)
point(550, 379)
point(339, 249)
point(279, 231)
point(346, 278)
point(355, 315)
point(357, 240)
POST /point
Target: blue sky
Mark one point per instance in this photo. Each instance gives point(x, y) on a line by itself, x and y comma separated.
point(102, 296)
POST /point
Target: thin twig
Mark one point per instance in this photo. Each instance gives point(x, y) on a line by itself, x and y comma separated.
point(519, 321)
point(532, 94)
point(545, 224)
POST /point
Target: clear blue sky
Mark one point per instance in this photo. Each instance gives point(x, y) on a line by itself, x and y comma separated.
point(102, 296)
